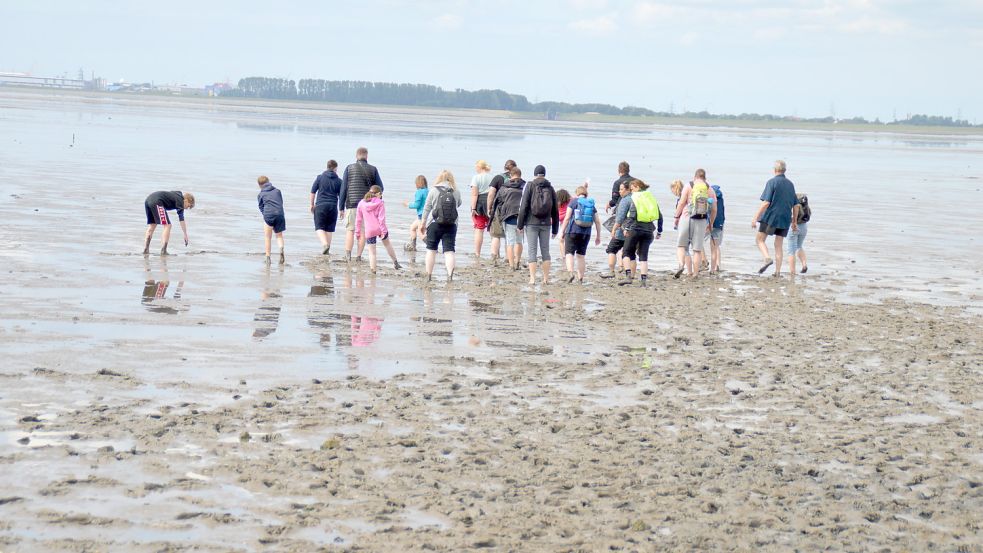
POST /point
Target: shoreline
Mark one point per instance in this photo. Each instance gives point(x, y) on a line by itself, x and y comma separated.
point(616, 121)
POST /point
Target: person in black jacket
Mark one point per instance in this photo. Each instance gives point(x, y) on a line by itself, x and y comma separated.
point(539, 218)
point(623, 178)
point(358, 178)
point(326, 203)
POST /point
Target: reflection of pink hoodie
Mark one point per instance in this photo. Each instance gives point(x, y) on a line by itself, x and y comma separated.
point(371, 213)
point(365, 330)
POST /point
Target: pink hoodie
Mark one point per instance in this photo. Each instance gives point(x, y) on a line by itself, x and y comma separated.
point(372, 214)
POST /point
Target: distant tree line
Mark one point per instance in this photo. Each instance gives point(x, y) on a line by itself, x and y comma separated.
point(425, 95)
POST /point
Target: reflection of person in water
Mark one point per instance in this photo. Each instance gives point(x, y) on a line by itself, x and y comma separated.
point(268, 313)
point(154, 296)
point(320, 316)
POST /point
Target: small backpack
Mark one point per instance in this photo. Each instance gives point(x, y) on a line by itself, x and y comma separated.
point(805, 212)
point(445, 212)
point(699, 204)
point(583, 216)
point(542, 200)
point(646, 208)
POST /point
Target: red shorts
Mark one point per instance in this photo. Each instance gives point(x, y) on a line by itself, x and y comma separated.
point(480, 221)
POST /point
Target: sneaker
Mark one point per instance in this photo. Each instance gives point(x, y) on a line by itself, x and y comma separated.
point(268, 261)
point(607, 275)
point(348, 257)
point(282, 259)
point(678, 273)
point(768, 263)
point(804, 269)
point(326, 250)
point(572, 276)
point(396, 265)
point(450, 276)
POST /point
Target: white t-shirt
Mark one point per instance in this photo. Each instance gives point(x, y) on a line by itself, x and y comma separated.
point(481, 181)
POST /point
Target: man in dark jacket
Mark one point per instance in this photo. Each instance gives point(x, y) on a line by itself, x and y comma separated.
point(623, 178)
point(539, 218)
point(358, 178)
point(326, 203)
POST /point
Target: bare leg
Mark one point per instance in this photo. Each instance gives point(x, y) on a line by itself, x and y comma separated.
point(279, 242)
point(612, 261)
point(361, 245)
point(714, 256)
point(759, 239)
point(372, 257)
point(449, 265)
point(509, 255)
point(414, 231)
point(322, 236)
point(389, 249)
point(518, 251)
point(697, 262)
point(581, 266)
point(802, 258)
point(791, 264)
point(479, 238)
point(643, 268)
point(569, 262)
point(165, 238)
point(778, 254)
point(431, 259)
point(496, 247)
point(532, 272)
point(349, 242)
point(147, 238)
point(546, 272)
point(268, 238)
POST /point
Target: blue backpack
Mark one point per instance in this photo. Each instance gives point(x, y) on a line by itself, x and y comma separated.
point(718, 222)
point(583, 216)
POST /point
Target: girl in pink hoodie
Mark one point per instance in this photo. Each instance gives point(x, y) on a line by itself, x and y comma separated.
point(370, 219)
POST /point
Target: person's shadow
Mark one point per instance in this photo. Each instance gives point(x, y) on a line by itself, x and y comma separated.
point(267, 315)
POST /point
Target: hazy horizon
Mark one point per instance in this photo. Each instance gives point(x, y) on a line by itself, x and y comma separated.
point(808, 58)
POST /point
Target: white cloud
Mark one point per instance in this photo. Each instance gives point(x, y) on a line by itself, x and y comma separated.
point(448, 21)
point(884, 26)
point(588, 4)
point(596, 26)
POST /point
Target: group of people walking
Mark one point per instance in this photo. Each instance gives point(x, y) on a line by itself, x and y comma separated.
point(527, 215)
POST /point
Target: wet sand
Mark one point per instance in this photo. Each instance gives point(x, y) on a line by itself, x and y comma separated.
point(716, 426)
point(206, 402)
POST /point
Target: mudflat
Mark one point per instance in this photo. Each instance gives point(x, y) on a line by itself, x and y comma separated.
point(203, 401)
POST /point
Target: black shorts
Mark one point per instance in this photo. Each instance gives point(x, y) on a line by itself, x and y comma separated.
point(156, 214)
point(325, 217)
point(772, 231)
point(278, 222)
point(637, 245)
point(445, 234)
point(374, 239)
point(614, 246)
point(576, 244)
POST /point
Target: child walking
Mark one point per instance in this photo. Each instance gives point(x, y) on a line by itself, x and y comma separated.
point(370, 220)
point(271, 206)
point(419, 200)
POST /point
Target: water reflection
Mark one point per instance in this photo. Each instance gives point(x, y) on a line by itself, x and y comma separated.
point(154, 296)
point(267, 315)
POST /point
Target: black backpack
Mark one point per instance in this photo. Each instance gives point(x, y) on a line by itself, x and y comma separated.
point(805, 212)
point(541, 205)
point(445, 212)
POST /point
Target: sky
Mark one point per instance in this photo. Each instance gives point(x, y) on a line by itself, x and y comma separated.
point(810, 58)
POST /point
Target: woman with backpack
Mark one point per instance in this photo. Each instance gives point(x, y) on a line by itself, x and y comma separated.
point(539, 217)
point(440, 222)
point(579, 217)
point(642, 224)
point(797, 236)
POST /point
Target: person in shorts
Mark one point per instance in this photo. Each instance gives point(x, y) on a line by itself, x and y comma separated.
point(436, 232)
point(617, 242)
point(694, 227)
point(480, 184)
point(575, 237)
point(156, 207)
point(355, 183)
point(507, 198)
point(325, 204)
point(797, 238)
point(776, 214)
point(717, 231)
point(640, 232)
point(271, 206)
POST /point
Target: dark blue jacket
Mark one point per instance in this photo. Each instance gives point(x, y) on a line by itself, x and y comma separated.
point(270, 201)
point(718, 221)
point(327, 186)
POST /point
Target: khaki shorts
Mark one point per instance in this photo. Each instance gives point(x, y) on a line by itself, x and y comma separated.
point(350, 219)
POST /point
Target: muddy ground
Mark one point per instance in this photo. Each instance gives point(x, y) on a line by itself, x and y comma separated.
point(733, 413)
